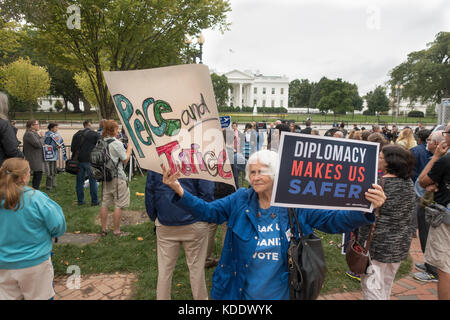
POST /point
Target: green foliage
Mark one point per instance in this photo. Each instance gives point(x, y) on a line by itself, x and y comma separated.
point(377, 100)
point(116, 35)
point(416, 114)
point(221, 87)
point(337, 96)
point(425, 74)
point(58, 105)
point(300, 93)
point(25, 81)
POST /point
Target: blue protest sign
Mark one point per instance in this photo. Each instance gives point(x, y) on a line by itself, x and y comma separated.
point(225, 121)
point(324, 172)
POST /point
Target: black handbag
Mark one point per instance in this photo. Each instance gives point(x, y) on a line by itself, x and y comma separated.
point(72, 166)
point(306, 263)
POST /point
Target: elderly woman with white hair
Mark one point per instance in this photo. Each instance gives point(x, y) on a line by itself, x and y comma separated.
point(9, 145)
point(253, 264)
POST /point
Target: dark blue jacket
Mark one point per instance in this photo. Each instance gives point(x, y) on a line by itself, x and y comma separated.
point(422, 156)
point(158, 198)
point(240, 211)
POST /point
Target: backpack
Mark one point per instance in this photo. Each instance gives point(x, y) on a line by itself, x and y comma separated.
point(103, 167)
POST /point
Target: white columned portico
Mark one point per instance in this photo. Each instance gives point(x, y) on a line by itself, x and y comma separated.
point(240, 95)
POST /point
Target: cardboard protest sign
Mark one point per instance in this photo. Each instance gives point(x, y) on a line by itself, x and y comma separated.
point(170, 116)
point(324, 172)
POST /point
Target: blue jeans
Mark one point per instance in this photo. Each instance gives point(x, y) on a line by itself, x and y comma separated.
point(85, 169)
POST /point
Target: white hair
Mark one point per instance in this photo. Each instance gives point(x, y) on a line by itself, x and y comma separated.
point(265, 157)
point(437, 136)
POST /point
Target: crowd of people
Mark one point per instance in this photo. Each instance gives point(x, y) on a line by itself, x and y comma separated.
point(413, 167)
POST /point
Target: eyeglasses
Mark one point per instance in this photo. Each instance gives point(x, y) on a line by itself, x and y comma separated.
point(445, 133)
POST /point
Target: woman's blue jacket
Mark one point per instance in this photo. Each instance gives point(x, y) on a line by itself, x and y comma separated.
point(240, 211)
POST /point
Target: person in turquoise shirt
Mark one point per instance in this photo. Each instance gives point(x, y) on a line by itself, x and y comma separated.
point(29, 220)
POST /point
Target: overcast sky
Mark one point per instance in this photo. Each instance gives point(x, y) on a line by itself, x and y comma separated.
point(359, 41)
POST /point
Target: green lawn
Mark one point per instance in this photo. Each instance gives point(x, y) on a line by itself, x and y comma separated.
point(128, 254)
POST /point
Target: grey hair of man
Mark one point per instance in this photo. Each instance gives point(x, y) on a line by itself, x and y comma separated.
point(435, 138)
point(4, 106)
point(266, 157)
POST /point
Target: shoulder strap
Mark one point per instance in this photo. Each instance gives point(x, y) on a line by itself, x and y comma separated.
point(372, 229)
point(293, 216)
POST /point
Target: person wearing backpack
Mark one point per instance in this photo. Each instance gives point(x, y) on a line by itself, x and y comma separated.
point(115, 193)
point(82, 144)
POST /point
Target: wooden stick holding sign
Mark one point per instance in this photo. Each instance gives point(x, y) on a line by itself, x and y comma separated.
point(324, 172)
point(171, 118)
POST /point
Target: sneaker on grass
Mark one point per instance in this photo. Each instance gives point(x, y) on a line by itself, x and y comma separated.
point(424, 277)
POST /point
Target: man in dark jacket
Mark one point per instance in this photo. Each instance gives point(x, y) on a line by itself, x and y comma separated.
point(176, 226)
point(82, 144)
point(9, 145)
point(420, 152)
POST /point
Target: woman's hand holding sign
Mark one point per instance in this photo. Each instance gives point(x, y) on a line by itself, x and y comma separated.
point(172, 181)
point(376, 196)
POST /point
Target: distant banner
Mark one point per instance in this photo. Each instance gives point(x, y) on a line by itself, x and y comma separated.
point(171, 118)
point(324, 172)
point(225, 121)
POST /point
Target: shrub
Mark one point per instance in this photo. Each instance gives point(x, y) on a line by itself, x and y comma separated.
point(416, 114)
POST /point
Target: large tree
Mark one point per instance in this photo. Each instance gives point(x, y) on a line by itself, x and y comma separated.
point(337, 95)
point(300, 93)
point(221, 87)
point(93, 36)
point(25, 81)
point(425, 75)
point(377, 100)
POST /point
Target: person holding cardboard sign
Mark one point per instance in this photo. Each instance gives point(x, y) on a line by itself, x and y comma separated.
point(258, 234)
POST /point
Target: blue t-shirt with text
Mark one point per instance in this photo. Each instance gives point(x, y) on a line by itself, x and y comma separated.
point(267, 275)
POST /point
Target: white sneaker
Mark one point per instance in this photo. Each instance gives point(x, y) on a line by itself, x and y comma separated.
point(424, 277)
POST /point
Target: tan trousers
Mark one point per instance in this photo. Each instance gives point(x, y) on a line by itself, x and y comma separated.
point(212, 229)
point(33, 283)
point(194, 239)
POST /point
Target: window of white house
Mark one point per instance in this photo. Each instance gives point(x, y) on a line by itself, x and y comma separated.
point(264, 103)
point(254, 102)
point(282, 91)
point(273, 103)
point(255, 90)
point(264, 90)
point(273, 90)
point(281, 103)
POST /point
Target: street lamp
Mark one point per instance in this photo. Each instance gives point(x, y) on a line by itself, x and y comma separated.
point(200, 41)
point(398, 93)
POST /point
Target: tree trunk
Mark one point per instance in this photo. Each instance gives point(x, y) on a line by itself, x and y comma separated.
point(76, 104)
point(87, 105)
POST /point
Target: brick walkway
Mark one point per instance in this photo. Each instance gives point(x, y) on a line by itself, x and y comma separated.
point(403, 289)
point(96, 287)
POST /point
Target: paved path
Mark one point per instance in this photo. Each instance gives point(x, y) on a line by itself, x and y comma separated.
point(403, 289)
point(120, 286)
point(95, 287)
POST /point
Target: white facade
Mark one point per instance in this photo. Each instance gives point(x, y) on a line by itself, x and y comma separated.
point(250, 90)
point(48, 104)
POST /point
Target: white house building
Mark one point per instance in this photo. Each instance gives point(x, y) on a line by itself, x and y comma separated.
point(254, 89)
point(48, 103)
